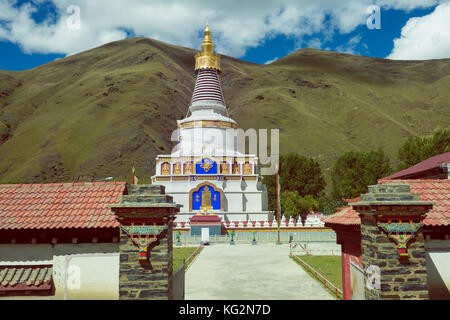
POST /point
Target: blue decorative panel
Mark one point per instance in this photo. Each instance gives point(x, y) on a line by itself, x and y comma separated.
point(206, 166)
point(198, 196)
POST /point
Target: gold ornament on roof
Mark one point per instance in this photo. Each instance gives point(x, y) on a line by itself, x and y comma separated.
point(206, 58)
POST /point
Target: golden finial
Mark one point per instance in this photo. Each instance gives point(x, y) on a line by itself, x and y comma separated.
point(134, 178)
point(206, 58)
point(207, 39)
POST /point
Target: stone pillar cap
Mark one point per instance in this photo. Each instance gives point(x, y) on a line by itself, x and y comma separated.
point(391, 194)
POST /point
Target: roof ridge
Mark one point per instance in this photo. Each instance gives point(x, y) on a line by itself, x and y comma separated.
point(425, 165)
point(414, 180)
point(63, 184)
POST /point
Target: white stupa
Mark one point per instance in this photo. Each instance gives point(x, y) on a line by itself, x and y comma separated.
point(205, 173)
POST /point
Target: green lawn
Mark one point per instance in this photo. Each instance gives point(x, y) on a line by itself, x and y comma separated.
point(328, 266)
point(180, 254)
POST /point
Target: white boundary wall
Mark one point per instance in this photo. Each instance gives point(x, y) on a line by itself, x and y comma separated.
point(438, 267)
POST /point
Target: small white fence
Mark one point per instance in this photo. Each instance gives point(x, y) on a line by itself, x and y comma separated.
point(247, 237)
point(312, 221)
point(312, 249)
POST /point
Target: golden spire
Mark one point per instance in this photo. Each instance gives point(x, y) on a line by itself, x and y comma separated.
point(206, 58)
point(207, 40)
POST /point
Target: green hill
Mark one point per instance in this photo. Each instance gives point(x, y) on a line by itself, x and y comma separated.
point(98, 113)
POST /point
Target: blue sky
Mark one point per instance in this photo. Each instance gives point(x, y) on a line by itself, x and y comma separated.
point(373, 43)
point(33, 33)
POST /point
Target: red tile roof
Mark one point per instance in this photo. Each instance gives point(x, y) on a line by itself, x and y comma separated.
point(25, 277)
point(345, 216)
point(430, 190)
point(430, 163)
point(59, 205)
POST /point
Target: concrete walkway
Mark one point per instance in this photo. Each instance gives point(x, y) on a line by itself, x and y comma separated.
point(244, 272)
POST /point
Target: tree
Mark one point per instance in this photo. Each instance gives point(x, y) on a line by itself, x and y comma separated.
point(329, 205)
point(296, 173)
point(307, 205)
point(293, 205)
point(289, 201)
point(418, 149)
point(354, 171)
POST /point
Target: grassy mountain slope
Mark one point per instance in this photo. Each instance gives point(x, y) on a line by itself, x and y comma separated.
point(98, 113)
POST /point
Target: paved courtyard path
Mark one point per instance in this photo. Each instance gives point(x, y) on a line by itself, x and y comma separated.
point(245, 272)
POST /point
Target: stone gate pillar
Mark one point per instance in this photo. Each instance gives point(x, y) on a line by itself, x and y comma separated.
point(146, 217)
point(392, 242)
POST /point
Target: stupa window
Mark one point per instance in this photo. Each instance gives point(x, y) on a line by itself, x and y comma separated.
point(177, 168)
point(188, 168)
point(236, 168)
point(248, 168)
point(224, 168)
point(165, 168)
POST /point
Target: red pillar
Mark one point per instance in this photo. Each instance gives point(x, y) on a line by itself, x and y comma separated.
point(350, 241)
point(349, 237)
point(346, 276)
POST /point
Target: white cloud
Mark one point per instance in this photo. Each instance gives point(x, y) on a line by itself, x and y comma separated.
point(271, 60)
point(6, 10)
point(236, 25)
point(314, 43)
point(426, 37)
point(348, 17)
point(350, 46)
point(408, 4)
